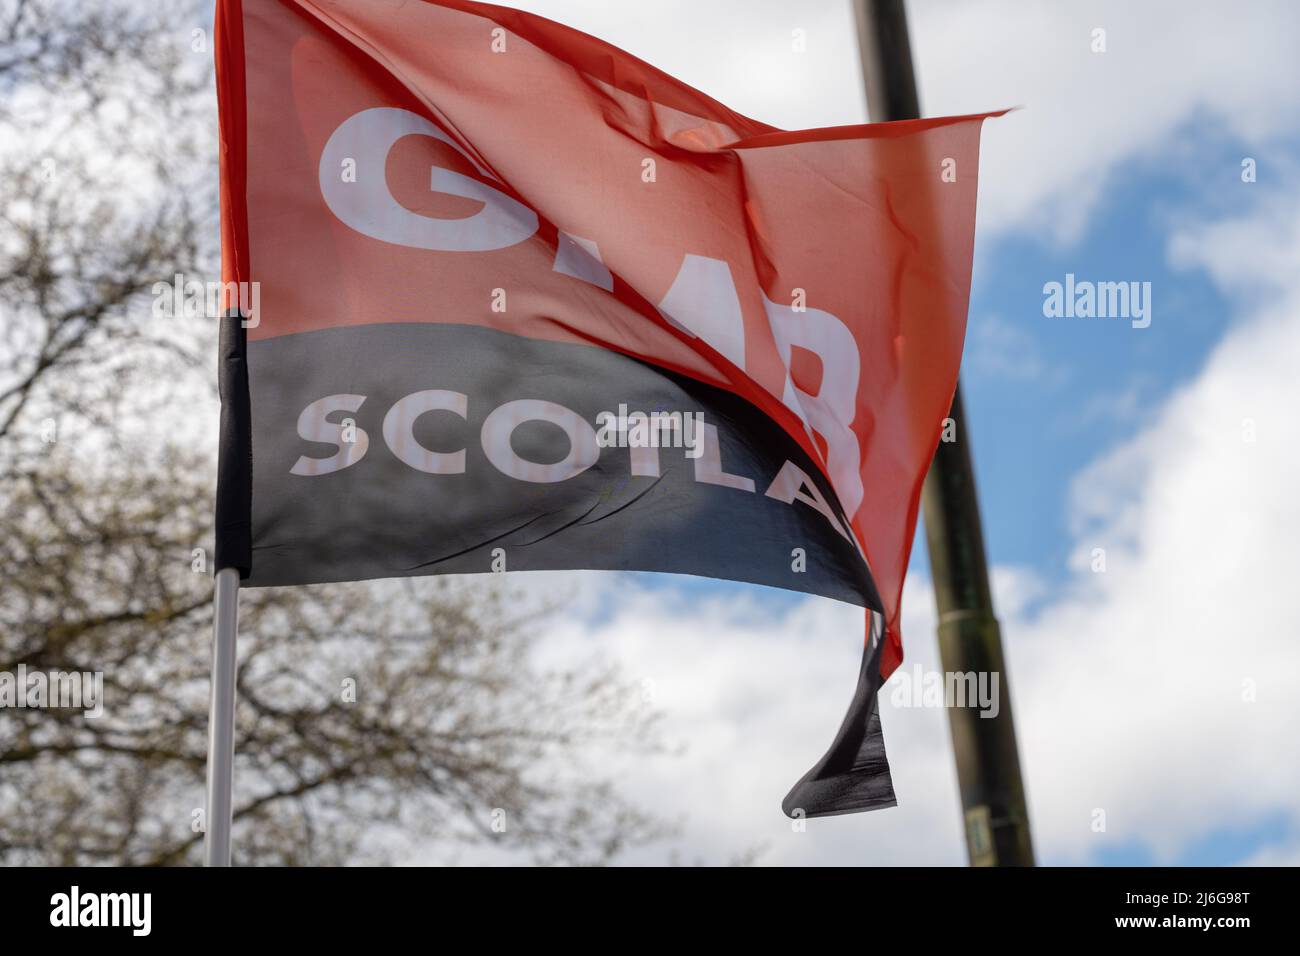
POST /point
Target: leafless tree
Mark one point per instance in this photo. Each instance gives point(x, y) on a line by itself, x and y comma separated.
point(369, 716)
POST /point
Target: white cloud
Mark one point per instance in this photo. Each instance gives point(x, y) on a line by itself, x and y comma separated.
point(1200, 526)
point(1044, 167)
point(737, 51)
point(753, 687)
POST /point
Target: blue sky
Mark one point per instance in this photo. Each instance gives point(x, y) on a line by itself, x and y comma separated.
point(1160, 693)
point(1049, 395)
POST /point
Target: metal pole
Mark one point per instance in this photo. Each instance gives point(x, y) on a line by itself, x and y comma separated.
point(970, 641)
point(221, 719)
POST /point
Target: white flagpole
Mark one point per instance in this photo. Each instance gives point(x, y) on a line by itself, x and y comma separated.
point(221, 719)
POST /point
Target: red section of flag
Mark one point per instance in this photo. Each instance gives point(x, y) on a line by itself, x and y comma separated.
point(457, 162)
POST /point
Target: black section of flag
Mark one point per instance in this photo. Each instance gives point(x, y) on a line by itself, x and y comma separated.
point(234, 451)
point(854, 774)
point(381, 517)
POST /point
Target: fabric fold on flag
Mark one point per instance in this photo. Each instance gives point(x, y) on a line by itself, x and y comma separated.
point(526, 302)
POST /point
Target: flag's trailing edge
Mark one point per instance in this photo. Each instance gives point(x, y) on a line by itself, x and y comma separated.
point(233, 523)
point(480, 239)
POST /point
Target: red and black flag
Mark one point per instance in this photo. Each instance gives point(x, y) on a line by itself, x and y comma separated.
point(520, 300)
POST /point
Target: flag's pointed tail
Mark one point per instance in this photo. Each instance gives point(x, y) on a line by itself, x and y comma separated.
point(854, 774)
